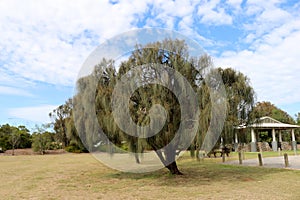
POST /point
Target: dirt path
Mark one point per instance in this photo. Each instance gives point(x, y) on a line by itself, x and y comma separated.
point(272, 162)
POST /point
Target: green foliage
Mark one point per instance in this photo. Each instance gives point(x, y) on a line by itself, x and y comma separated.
point(297, 131)
point(74, 147)
point(240, 97)
point(298, 118)
point(62, 116)
point(264, 108)
point(25, 138)
point(65, 131)
point(12, 137)
point(240, 103)
point(142, 100)
point(43, 140)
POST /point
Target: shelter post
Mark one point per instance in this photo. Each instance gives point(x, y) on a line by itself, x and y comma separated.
point(274, 142)
point(253, 141)
point(236, 142)
point(280, 136)
point(294, 142)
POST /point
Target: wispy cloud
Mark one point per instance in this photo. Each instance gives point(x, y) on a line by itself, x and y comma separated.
point(38, 114)
point(213, 13)
point(5, 90)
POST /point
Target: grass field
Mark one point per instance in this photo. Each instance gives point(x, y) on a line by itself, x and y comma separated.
point(81, 176)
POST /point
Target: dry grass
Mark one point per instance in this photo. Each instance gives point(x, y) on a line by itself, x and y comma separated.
point(80, 176)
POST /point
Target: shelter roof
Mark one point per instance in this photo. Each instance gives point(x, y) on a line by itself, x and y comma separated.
point(269, 123)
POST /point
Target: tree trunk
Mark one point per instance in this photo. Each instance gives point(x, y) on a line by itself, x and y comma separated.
point(173, 168)
point(137, 160)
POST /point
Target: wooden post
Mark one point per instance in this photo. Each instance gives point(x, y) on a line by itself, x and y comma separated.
point(223, 156)
point(260, 159)
point(286, 160)
point(240, 158)
point(253, 141)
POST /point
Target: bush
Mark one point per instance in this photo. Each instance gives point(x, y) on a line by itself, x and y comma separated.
point(41, 142)
point(75, 148)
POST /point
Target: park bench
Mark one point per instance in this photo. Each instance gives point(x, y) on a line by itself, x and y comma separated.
point(220, 151)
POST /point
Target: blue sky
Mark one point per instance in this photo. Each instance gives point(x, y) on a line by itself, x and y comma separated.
point(44, 43)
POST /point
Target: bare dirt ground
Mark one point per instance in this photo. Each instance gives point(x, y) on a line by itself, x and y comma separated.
point(18, 152)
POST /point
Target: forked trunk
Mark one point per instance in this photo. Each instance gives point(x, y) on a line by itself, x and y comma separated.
point(169, 158)
point(173, 168)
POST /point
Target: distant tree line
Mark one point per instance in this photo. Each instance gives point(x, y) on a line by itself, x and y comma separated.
point(19, 137)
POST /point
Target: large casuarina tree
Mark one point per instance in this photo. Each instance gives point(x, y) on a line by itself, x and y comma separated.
point(143, 100)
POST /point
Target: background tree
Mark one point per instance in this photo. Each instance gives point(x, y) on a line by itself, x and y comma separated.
point(241, 100)
point(65, 131)
point(43, 140)
point(5, 131)
point(21, 137)
point(265, 108)
point(25, 137)
point(297, 131)
point(61, 115)
point(298, 118)
point(240, 103)
point(14, 139)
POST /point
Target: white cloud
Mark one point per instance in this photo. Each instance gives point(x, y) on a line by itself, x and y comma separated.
point(48, 41)
point(37, 114)
point(273, 65)
point(266, 17)
point(6, 90)
point(211, 12)
point(235, 3)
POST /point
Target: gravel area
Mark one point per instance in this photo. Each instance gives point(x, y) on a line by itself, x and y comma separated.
point(272, 162)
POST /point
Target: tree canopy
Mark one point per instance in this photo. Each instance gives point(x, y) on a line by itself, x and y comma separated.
point(265, 108)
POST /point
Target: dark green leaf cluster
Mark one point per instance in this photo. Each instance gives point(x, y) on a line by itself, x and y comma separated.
point(12, 137)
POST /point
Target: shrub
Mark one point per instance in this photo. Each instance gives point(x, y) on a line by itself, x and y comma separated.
point(75, 148)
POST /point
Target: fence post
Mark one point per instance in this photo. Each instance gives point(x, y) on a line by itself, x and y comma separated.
point(240, 158)
point(223, 156)
point(286, 160)
point(260, 159)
